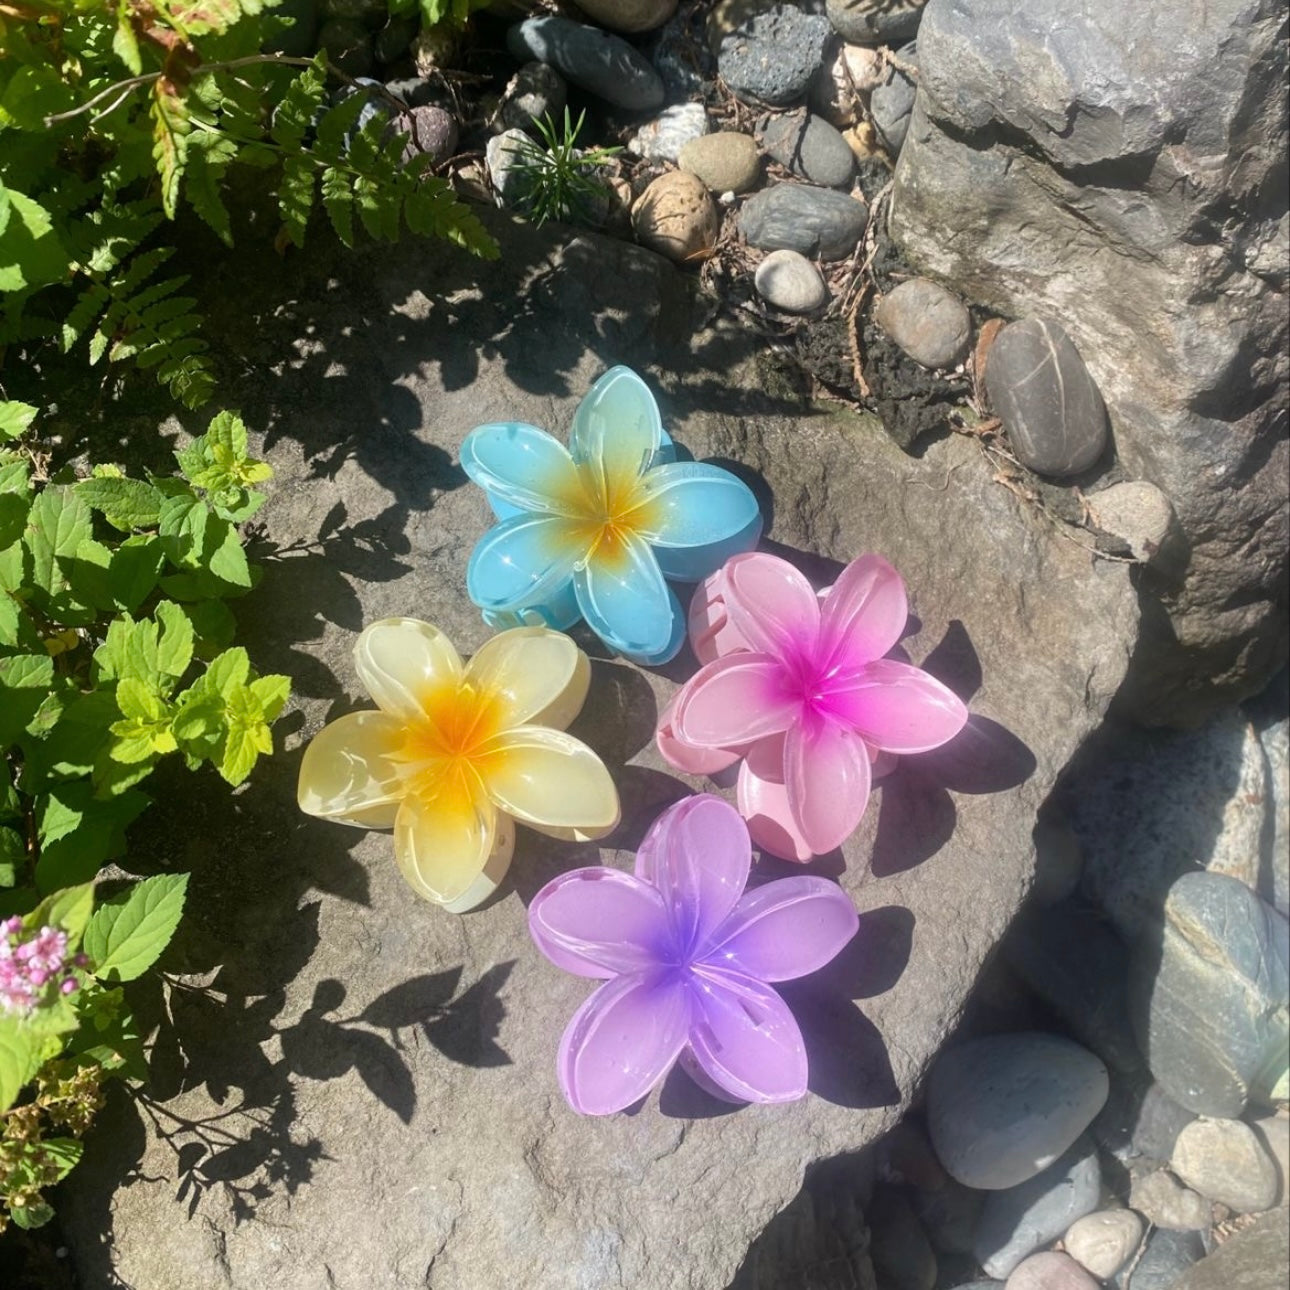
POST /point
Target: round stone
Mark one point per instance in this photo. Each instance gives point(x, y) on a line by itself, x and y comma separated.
point(801, 217)
point(836, 90)
point(1003, 1108)
point(676, 217)
point(663, 138)
point(1048, 402)
point(534, 92)
point(431, 132)
point(892, 102)
point(503, 155)
point(789, 281)
point(1137, 513)
point(811, 148)
point(930, 324)
point(1224, 1160)
point(770, 57)
point(727, 162)
point(1164, 1201)
point(1049, 1270)
point(875, 22)
point(600, 63)
point(1104, 1242)
point(628, 16)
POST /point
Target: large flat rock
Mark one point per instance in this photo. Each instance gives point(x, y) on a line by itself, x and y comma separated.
point(355, 1089)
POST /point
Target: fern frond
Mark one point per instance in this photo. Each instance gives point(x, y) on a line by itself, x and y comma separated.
point(296, 195)
point(170, 131)
point(207, 163)
point(294, 116)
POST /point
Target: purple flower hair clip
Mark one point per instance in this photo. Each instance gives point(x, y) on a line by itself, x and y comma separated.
point(687, 957)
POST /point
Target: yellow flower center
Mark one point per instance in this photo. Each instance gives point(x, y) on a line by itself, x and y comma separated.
point(605, 508)
point(447, 754)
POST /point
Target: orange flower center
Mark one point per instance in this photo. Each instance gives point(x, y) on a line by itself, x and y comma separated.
point(448, 753)
point(606, 508)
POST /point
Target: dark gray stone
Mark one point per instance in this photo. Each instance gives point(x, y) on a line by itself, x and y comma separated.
point(902, 1255)
point(1003, 1108)
point(1021, 1219)
point(682, 57)
point(416, 1122)
point(1074, 962)
point(1210, 1004)
point(930, 324)
point(811, 148)
point(1139, 1120)
point(416, 91)
point(771, 55)
point(800, 217)
point(1123, 169)
point(1256, 1258)
point(603, 65)
point(1048, 401)
point(534, 92)
point(949, 1214)
point(392, 41)
point(891, 103)
point(1166, 1256)
point(875, 22)
point(348, 45)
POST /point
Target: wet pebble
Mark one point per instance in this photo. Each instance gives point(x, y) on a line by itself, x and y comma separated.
point(1225, 1161)
point(789, 281)
point(1003, 1108)
point(727, 162)
point(602, 64)
point(663, 138)
point(928, 322)
point(801, 217)
point(770, 56)
point(1102, 1243)
point(1048, 402)
point(810, 148)
point(1019, 1220)
point(676, 217)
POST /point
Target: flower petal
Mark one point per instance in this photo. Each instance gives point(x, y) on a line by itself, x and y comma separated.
point(827, 772)
point(616, 431)
point(345, 774)
point(523, 466)
point(733, 701)
point(697, 855)
point(899, 708)
point(686, 757)
point(522, 562)
point(453, 849)
point(551, 779)
point(534, 674)
point(772, 605)
point(864, 612)
point(788, 928)
point(763, 802)
point(712, 634)
point(697, 515)
point(626, 602)
point(622, 1041)
point(745, 1039)
point(600, 922)
point(400, 660)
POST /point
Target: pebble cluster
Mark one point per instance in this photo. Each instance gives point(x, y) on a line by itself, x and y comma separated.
point(1135, 1123)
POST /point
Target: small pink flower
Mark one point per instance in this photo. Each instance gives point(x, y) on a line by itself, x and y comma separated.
point(796, 684)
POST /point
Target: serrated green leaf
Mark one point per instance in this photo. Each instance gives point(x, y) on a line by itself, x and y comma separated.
point(170, 129)
point(271, 694)
point(15, 474)
point(68, 908)
point(19, 1059)
point(296, 196)
point(227, 433)
point(124, 43)
point(25, 679)
point(175, 648)
point(15, 417)
point(125, 503)
point(72, 745)
point(127, 935)
point(228, 560)
point(58, 523)
point(338, 201)
point(205, 171)
point(31, 253)
point(15, 510)
point(64, 1154)
point(138, 700)
point(80, 832)
point(183, 529)
point(37, 1214)
point(227, 673)
point(242, 747)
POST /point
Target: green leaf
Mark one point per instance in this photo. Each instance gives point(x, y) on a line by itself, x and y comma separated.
point(13, 856)
point(139, 701)
point(124, 44)
point(59, 522)
point(15, 417)
point(19, 1058)
point(80, 832)
point(175, 648)
point(69, 908)
point(37, 1214)
point(73, 745)
point(14, 512)
point(296, 196)
point(228, 560)
point(170, 131)
point(127, 935)
point(226, 435)
point(183, 529)
point(24, 681)
point(125, 503)
point(242, 748)
point(31, 254)
point(338, 201)
point(64, 1153)
point(271, 694)
point(227, 673)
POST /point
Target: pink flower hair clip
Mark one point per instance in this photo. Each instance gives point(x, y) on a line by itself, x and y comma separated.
point(797, 686)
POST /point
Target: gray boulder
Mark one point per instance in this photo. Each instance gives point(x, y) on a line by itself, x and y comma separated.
point(1122, 169)
point(351, 1087)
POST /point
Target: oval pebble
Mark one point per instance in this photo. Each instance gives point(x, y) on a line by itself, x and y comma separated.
point(603, 65)
point(1003, 1108)
point(875, 22)
point(1224, 1160)
point(801, 217)
point(630, 16)
point(1050, 1270)
point(1104, 1242)
point(727, 162)
point(663, 138)
point(676, 217)
point(810, 148)
point(1164, 1201)
point(929, 323)
point(770, 56)
point(789, 281)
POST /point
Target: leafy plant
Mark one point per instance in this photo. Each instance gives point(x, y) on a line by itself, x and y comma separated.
point(561, 179)
point(115, 651)
point(114, 112)
point(450, 13)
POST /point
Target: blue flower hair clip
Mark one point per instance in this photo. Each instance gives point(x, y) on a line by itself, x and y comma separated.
point(597, 530)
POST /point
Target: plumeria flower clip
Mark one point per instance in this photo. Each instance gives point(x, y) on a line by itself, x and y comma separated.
point(455, 753)
point(797, 686)
point(687, 957)
point(595, 531)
